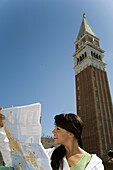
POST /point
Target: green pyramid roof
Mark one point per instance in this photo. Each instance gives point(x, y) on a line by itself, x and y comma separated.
point(85, 27)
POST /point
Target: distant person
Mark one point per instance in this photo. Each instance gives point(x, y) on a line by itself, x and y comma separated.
point(110, 156)
point(69, 155)
point(4, 144)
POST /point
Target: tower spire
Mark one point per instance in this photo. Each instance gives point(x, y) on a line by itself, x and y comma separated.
point(85, 28)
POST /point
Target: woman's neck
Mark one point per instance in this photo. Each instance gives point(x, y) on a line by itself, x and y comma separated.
point(72, 149)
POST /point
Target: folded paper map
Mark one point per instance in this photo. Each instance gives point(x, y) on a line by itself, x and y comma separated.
point(23, 129)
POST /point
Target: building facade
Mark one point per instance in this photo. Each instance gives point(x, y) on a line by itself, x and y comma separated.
point(93, 98)
point(47, 142)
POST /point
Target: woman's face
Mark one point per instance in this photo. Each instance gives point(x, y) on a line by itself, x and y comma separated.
point(60, 135)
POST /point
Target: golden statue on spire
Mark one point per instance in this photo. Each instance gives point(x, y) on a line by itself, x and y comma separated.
point(84, 15)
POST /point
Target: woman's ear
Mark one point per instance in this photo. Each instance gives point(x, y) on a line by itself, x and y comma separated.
point(71, 134)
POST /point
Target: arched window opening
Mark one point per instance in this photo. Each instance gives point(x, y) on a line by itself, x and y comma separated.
point(85, 54)
point(77, 60)
point(91, 53)
point(82, 56)
point(100, 58)
point(94, 54)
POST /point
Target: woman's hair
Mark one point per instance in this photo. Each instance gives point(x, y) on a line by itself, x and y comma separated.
point(72, 123)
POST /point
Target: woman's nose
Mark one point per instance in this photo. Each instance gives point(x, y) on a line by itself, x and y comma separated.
point(53, 131)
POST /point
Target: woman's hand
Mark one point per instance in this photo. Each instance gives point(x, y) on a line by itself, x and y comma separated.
point(1, 118)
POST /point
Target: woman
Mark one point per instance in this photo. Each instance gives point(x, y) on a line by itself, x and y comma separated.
point(69, 155)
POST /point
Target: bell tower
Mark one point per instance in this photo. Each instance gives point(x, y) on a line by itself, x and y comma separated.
point(93, 98)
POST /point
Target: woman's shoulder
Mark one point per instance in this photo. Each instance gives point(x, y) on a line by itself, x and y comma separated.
point(95, 157)
point(95, 162)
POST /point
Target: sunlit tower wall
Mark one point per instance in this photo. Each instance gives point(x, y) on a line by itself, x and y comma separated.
point(93, 98)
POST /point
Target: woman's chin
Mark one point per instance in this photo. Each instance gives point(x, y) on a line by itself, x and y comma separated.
point(56, 142)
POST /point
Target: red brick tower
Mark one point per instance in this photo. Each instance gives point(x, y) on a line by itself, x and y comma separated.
point(94, 104)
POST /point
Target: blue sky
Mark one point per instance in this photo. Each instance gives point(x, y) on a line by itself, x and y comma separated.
point(36, 46)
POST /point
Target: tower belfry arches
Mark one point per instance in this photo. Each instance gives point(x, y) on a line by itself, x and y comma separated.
point(93, 98)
